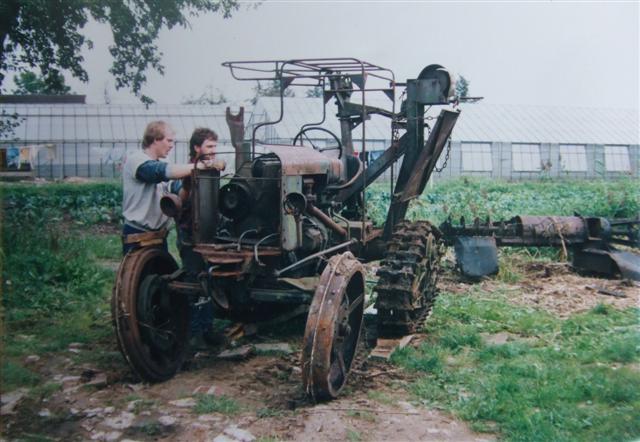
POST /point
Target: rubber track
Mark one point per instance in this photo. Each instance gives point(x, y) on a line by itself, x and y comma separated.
point(410, 256)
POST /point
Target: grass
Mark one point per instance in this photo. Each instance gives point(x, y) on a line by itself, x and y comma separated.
point(45, 390)
point(558, 380)
point(48, 271)
point(150, 429)
point(102, 247)
point(15, 375)
point(267, 412)
point(208, 403)
point(268, 439)
point(54, 290)
point(140, 405)
point(362, 415)
point(381, 397)
point(353, 435)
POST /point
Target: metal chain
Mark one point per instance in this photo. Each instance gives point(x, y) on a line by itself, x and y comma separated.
point(395, 136)
point(446, 158)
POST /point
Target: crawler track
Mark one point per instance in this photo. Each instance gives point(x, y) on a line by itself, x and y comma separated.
point(406, 286)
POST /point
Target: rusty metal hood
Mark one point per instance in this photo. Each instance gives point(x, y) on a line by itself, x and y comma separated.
point(301, 160)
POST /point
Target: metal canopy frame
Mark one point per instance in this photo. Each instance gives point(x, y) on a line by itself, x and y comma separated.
point(307, 68)
point(330, 74)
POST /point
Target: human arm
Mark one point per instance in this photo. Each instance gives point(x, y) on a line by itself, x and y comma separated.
point(175, 171)
point(154, 171)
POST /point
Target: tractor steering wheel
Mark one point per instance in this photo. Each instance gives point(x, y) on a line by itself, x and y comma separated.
point(303, 134)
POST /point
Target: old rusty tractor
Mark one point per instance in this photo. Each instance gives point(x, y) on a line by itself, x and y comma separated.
point(288, 231)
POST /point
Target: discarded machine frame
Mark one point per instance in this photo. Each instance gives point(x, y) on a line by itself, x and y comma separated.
point(591, 240)
point(288, 231)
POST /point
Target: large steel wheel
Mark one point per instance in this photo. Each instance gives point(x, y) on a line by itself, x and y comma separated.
point(333, 327)
point(151, 322)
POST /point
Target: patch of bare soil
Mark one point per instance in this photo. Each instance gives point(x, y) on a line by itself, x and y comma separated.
point(359, 418)
point(557, 289)
point(109, 404)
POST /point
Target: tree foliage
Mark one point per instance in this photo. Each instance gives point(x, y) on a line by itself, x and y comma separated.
point(272, 89)
point(8, 123)
point(47, 34)
point(208, 97)
point(462, 87)
point(316, 92)
point(28, 83)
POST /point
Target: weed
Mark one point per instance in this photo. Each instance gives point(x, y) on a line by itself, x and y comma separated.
point(458, 336)
point(150, 428)
point(132, 397)
point(353, 435)
point(268, 439)
point(504, 351)
point(141, 405)
point(208, 403)
point(601, 309)
point(623, 348)
point(508, 274)
point(103, 246)
point(15, 375)
point(381, 397)
point(362, 415)
point(44, 391)
point(47, 274)
point(268, 412)
point(426, 360)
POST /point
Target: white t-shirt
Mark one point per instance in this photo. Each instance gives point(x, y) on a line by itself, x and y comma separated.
point(140, 200)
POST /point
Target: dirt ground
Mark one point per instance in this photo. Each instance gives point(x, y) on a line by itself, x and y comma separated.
point(557, 289)
point(111, 405)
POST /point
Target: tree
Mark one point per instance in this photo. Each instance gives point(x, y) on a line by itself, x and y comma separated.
point(208, 97)
point(272, 89)
point(8, 123)
point(462, 87)
point(316, 92)
point(28, 83)
point(46, 34)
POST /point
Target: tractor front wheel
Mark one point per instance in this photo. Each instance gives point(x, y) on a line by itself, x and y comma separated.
point(151, 322)
point(333, 327)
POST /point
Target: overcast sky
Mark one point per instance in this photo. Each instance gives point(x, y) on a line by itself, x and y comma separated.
point(576, 54)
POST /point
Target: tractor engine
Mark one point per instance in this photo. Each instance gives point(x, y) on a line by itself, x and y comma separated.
point(276, 195)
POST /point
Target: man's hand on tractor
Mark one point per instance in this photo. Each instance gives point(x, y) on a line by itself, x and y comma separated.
point(212, 164)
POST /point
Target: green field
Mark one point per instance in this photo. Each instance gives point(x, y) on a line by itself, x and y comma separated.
point(573, 379)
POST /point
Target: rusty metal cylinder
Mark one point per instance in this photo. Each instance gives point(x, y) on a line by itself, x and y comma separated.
point(171, 205)
point(206, 186)
point(552, 229)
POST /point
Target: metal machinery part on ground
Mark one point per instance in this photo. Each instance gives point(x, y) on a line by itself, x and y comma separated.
point(591, 240)
point(288, 231)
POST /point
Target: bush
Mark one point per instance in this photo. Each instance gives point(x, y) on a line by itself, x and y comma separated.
point(46, 265)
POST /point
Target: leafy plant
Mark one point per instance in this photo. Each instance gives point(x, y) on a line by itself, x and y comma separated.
point(208, 403)
point(502, 200)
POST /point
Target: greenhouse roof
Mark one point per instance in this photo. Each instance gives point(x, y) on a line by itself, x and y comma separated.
point(478, 121)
